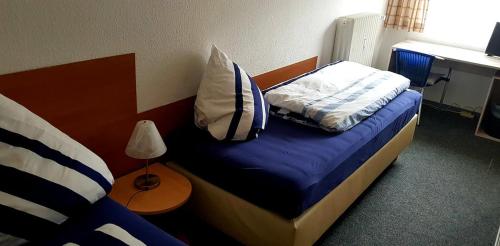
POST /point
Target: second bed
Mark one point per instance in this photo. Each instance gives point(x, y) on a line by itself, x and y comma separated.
point(290, 184)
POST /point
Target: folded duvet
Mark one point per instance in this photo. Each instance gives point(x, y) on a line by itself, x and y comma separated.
point(336, 97)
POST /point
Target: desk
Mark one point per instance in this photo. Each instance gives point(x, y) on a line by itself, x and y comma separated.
point(460, 57)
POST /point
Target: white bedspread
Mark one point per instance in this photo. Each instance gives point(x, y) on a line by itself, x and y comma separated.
point(339, 96)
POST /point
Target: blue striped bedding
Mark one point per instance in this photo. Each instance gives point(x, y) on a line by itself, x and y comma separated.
point(229, 104)
point(109, 223)
point(337, 96)
point(45, 176)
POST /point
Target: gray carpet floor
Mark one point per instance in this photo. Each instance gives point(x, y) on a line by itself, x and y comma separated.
point(442, 190)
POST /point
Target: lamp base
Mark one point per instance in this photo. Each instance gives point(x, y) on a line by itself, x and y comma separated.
point(147, 182)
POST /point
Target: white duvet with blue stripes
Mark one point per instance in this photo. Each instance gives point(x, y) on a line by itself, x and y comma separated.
point(337, 96)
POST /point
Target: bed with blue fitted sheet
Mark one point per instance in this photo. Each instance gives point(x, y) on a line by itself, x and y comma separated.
point(109, 223)
point(290, 167)
point(330, 133)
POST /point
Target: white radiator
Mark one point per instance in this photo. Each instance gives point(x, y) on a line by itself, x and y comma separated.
point(356, 37)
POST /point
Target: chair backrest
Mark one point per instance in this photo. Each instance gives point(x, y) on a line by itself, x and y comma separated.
point(414, 65)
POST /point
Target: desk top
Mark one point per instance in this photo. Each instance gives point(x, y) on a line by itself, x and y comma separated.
point(472, 57)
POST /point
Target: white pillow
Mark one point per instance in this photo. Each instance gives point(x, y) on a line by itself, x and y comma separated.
point(229, 104)
point(45, 176)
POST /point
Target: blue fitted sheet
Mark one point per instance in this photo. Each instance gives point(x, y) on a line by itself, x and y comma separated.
point(290, 167)
point(81, 229)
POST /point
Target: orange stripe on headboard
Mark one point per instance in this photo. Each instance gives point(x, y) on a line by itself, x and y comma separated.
point(94, 102)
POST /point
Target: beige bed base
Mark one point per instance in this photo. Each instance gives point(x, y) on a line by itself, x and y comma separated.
point(253, 225)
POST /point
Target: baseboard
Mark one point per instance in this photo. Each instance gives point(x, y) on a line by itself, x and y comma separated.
point(449, 108)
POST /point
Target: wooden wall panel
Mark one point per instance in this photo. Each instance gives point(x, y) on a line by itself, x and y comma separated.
point(83, 90)
point(94, 102)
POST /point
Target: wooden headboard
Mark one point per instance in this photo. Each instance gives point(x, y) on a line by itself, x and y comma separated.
point(95, 103)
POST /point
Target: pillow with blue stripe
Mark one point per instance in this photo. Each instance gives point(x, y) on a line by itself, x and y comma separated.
point(228, 103)
point(45, 176)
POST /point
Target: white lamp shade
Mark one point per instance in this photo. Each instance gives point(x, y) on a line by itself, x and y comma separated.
point(145, 142)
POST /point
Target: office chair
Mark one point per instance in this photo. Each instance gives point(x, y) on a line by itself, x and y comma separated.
point(417, 68)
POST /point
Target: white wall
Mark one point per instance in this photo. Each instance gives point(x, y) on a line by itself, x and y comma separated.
point(171, 39)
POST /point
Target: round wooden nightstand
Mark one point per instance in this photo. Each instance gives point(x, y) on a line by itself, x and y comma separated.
point(173, 191)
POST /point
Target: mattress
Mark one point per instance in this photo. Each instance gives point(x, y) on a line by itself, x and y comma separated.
point(290, 167)
point(109, 223)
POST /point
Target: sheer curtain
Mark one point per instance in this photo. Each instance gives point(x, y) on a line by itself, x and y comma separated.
point(407, 15)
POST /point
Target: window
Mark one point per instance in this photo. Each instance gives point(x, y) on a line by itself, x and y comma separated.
point(467, 24)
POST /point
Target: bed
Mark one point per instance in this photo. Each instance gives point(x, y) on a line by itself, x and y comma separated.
point(289, 185)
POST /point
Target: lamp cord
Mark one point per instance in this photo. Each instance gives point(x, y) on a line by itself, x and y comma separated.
point(139, 191)
point(132, 197)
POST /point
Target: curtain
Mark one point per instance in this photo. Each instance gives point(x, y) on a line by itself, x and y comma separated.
point(406, 14)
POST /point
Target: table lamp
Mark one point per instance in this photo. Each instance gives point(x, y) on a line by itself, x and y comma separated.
point(146, 143)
